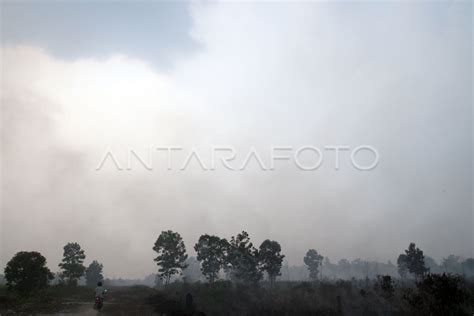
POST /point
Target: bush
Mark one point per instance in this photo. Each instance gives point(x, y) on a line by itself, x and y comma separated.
point(438, 294)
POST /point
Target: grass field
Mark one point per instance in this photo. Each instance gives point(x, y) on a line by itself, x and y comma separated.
point(356, 297)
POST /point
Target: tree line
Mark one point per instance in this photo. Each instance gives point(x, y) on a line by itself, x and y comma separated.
point(240, 261)
point(27, 270)
point(235, 259)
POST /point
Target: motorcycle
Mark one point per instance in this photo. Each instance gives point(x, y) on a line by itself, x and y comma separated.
point(99, 302)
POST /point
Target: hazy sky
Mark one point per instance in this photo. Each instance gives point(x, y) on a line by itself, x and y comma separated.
point(82, 78)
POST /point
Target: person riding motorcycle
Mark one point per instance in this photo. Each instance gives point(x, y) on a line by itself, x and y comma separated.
point(99, 296)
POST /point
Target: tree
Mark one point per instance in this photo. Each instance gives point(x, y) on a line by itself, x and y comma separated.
point(439, 294)
point(27, 272)
point(271, 259)
point(431, 264)
point(385, 285)
point(313, 261)
point(468, 266)
point(243, 259)
point(72, 263)
point(94, 273)
point(171, 254)
point(414, 261)
point(452, 264)
point(402, 266)
point(211, 252)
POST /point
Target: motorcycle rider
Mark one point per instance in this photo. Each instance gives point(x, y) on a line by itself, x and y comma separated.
point(99, 295)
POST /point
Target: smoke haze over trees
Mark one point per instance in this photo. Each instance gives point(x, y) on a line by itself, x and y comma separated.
point(237, 158)
point(400, 81)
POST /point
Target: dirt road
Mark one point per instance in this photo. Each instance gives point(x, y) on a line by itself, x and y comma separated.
point(118, 301)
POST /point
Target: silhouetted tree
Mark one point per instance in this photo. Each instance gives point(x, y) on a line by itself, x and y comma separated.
point(438, 294)
point(452, 264)
point(328, 268)
point(271, 259)
point(243, 259)
point(468, 267)
point(414, 261)
point(402, 266)
point(171, 254)
point(27, 272)
point(431, 264)
point(72, 263)
point(313, 261)
point(94, 273)
point(211, 252)
point(386, 286)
